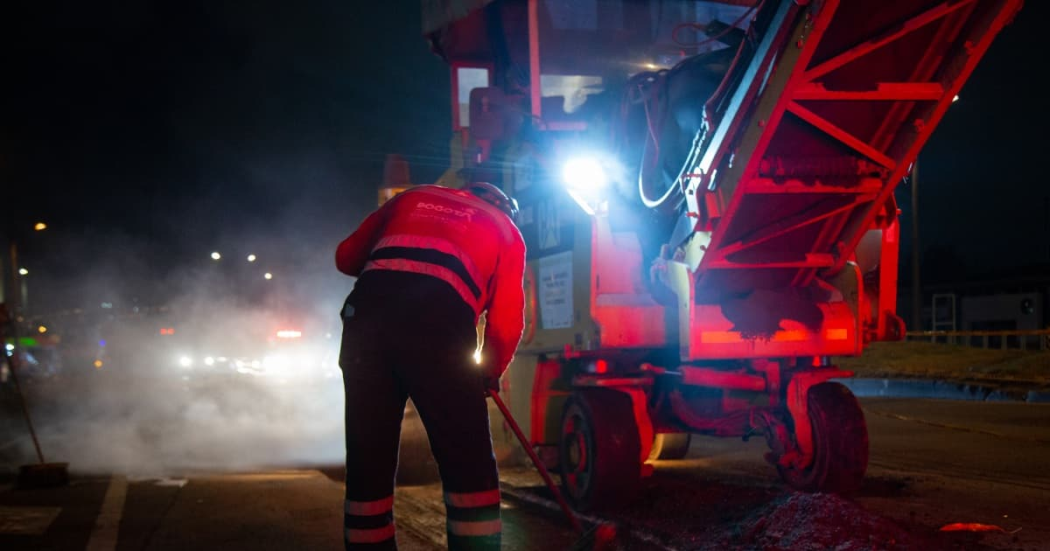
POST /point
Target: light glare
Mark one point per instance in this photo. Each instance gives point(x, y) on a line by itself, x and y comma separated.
point(585, 174)
point(215, 255)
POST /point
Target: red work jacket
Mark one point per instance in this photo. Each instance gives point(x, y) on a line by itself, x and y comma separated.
point(459, 238)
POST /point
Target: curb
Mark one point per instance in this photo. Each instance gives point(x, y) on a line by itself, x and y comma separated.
point(941, 390)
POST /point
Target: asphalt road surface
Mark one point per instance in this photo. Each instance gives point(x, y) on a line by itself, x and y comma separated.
point(933, 463)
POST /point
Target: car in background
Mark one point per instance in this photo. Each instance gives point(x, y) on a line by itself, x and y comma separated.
point(273, 348)
point(36, 358)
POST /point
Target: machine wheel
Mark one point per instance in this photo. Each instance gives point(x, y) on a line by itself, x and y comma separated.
point(840, 443)
point(599, 452)
point(670, 446)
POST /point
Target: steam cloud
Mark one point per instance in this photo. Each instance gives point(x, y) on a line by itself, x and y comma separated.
point(144, 414)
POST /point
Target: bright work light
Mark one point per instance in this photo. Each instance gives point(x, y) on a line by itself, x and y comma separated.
point(584, 174)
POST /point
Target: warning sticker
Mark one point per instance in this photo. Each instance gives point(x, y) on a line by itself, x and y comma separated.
point(555, 291)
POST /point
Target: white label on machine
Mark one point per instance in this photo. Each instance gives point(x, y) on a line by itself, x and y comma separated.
point(555, 290)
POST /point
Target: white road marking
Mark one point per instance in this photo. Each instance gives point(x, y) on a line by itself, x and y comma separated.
point(104, 536)
point(158, 481)
point(177, 482)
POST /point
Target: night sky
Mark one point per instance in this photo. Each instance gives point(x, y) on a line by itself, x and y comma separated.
point(983, 189)
point(149, 133)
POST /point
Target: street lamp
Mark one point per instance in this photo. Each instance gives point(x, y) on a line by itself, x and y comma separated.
point(17, 287)
point(268, 276)
point(251, 258)
point(215, 255)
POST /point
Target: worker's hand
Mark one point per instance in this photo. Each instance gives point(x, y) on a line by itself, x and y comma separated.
point(491, 381)
point(489, 374)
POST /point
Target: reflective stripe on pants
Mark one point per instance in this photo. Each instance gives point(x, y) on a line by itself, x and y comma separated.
point(369, 524)
point(473, 519)
point(369, 508)
point(369, 535)
point(473, 499)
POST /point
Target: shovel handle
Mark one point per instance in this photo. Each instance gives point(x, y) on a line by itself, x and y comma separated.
point(573, 519)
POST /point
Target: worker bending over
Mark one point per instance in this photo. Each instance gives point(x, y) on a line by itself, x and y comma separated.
point(428, 263)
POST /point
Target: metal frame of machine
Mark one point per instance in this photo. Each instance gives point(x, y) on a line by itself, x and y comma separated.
point(783, 252)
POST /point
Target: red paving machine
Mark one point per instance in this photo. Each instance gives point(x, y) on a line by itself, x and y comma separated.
point(707, 200)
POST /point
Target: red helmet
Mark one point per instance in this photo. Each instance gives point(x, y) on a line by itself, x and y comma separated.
point(495, 196)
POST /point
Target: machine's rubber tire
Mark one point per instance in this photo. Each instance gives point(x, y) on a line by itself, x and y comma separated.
point(840, 443)
point(599, 451)
point(670, 445)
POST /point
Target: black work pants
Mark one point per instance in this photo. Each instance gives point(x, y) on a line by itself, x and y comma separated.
point(410, 335)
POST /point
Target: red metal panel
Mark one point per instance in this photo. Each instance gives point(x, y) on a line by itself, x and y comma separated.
point(844, 89)
point(626, 314)
point(785, 226)
point(542, 393)
point(699, 376)
point(834, 131)
point(922, 91)
point(631, 326)
point(809, 261)
point(888, 325)
point(715, 337)
point(867, 186)
point(837, 112)
point(973, 47)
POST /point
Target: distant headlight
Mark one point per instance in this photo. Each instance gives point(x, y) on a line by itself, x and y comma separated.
point(209, 361)
point(185, 361)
